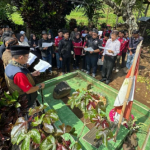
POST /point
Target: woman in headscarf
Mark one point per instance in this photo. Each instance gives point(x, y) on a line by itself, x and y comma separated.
point(34, 46)
point(6, 57)
point(22, 41)
point(77, 43)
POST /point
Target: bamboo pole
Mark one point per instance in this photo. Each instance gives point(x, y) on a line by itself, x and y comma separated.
point(146, 139)
point(138, 50)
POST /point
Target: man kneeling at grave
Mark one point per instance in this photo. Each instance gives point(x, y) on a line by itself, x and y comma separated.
point(18, 77)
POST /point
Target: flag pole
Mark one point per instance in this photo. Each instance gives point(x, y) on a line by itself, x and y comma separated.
point(138, 50)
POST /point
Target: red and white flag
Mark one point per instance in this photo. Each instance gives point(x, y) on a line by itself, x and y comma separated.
point(123, 91)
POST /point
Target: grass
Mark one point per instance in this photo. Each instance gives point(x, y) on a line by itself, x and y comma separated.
point(78, 14)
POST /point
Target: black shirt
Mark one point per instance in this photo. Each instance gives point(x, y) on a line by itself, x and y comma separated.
point(65, 47)
point(2, 49)
point(94, 43)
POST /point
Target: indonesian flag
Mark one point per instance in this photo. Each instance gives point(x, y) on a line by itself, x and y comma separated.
point(123, 91)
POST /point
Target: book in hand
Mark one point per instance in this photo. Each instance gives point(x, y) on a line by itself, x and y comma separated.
point(47, 44)
point(42, 66)
point(31, 59)
point(90, 49)
point(84, 34)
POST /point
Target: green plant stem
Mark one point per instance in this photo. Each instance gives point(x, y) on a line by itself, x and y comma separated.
point(81, 130)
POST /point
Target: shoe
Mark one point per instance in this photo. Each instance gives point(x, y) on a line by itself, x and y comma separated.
point(87, 72)
point(103, 79)
point(107, 82)
point(93, 75)
point(63, 73)
point(82, 70)
point(117, 70)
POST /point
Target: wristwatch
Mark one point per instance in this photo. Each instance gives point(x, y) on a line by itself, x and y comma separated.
point(40, 86)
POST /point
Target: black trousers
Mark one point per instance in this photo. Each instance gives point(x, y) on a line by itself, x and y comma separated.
point(66, 64)
point(84, 63)
point(77, 61)
point(123, 59)
point(108, 66)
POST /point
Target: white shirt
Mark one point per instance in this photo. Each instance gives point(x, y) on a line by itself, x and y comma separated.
point(24, 43)
point(112, 45)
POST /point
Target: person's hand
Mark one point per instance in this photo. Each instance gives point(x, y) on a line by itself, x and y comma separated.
point(36, 73)
point(53, 55)
point(60, 58)
point(131, 53)
point(74, 56)
point(130, 49)
point(45, 48)
point(110, 51)
point(91, 52)
point(103, 58)
point(43, 85)
point(34, 45)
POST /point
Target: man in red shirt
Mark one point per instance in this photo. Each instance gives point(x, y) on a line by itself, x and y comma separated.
point(57, 40)
point(122, 40)
point(19, 78)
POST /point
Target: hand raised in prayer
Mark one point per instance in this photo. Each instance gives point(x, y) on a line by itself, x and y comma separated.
point(36, 73)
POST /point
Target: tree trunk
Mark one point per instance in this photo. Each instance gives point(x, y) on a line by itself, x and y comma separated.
point(125, 10)
point(146, 10)
point(117, 21)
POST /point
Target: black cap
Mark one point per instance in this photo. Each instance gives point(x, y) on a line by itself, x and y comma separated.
point(60, 31)
point(19, 50)
point(135, 32)
point(95, 31)
point(44, 32)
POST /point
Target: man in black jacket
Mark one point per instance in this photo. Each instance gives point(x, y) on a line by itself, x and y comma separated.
point(92, 56)
point(65, 49)
point(46, 52)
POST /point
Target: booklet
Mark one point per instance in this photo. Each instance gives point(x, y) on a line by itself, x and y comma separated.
point(47, 44)
point(90, 49)
point(42, 66)
point(31, 59)
point(104, 48)
point(100, 32)
point(84, 34)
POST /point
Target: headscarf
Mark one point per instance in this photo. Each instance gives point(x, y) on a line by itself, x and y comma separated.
point(33, 41)
point(75, 39)
point(19, 36)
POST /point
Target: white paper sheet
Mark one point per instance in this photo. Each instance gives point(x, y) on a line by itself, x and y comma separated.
point(31, 59)
point(42, 66)
point(100, 32)
point(123, 91)
point(104, 48)
point(84, 34)
point(90, 49)
point(47, 44)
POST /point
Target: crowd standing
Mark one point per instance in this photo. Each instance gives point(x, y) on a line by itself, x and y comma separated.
point(110, 48)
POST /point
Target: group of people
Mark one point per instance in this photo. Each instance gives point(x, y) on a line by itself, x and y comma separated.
point(109, 47)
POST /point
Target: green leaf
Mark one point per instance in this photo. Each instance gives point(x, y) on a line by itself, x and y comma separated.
point(59, 132)
point(48, 143)
point(20, 138)
point(37, 109)
point(17, 105)
point(15, 95)
point(110, 134)
point(48, 128)
point(72, 132)
point(7, 96)
point(65, 129)
point(52, 114)
point(26, 143)
point(37, 120)
point(19, 128)
point(46, 119)
point(35, 135)
point(76, 146)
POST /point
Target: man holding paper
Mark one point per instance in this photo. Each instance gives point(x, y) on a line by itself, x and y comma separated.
point(46, 48)
point(92, 52)
point(18, 77)
point(111, 50)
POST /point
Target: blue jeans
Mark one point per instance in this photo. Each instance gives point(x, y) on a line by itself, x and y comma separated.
point(59, 63)
point(130, 59)
point(92, 63)
point(49, 60)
